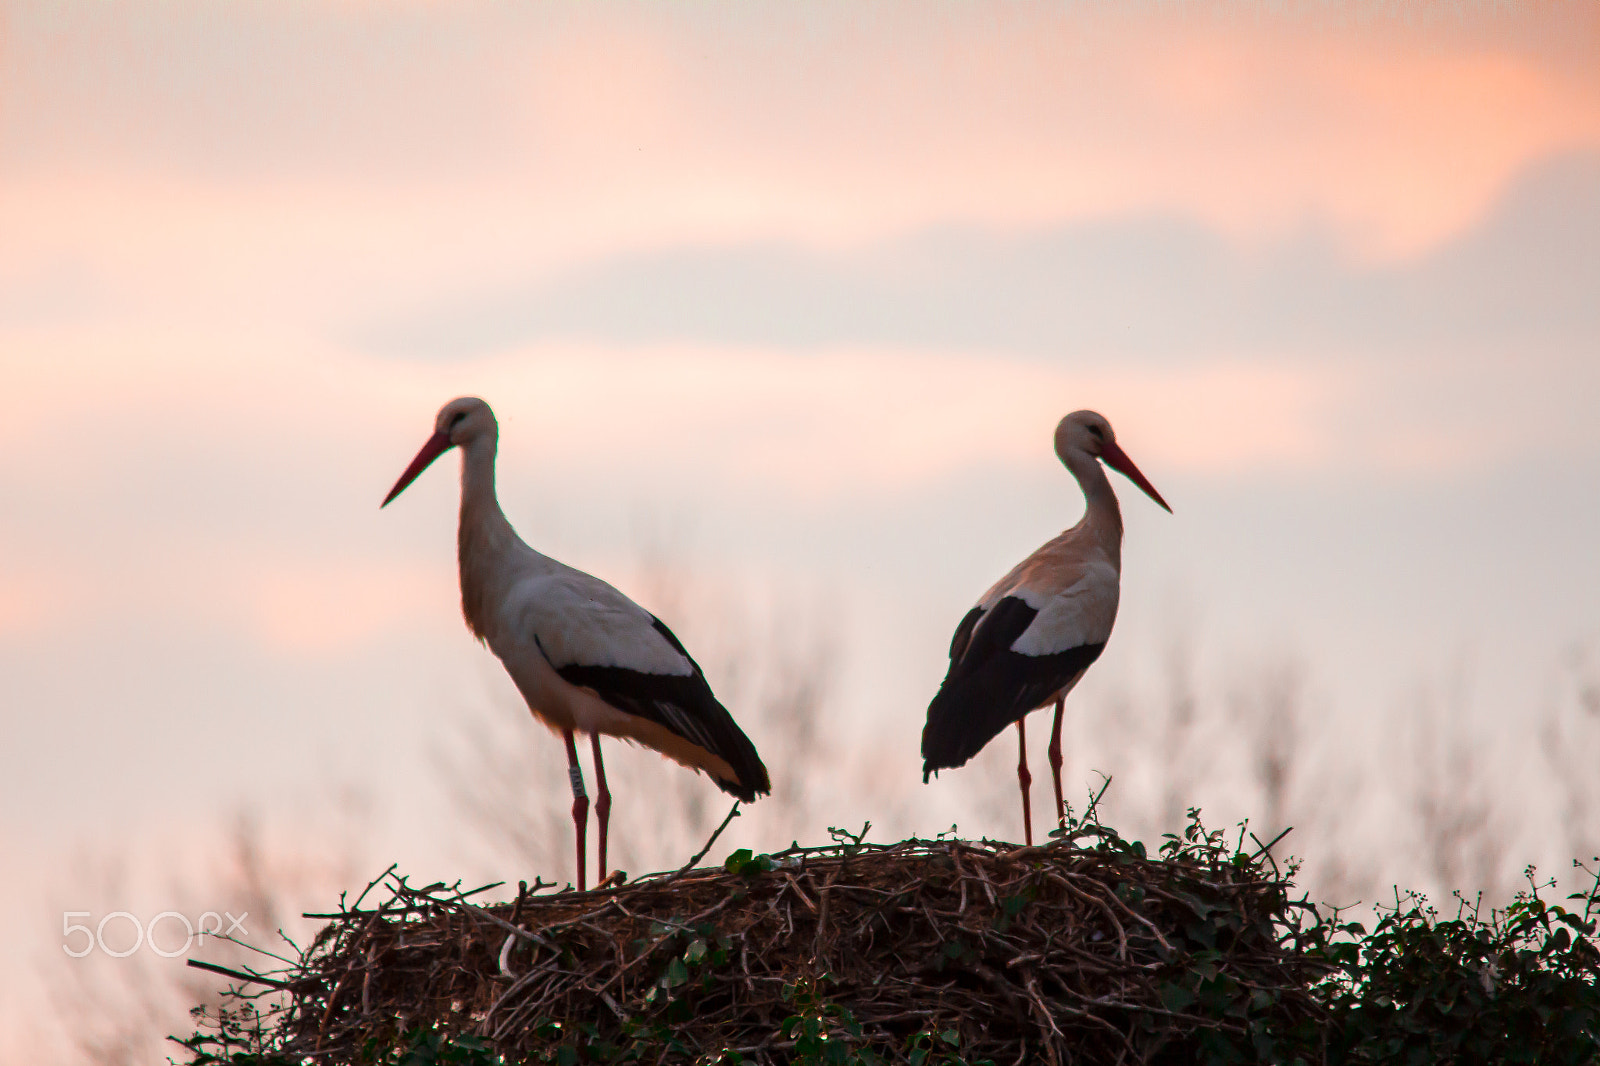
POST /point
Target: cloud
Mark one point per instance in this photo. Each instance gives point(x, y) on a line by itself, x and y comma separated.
point(29, 601)
point(474, 136)
point(311, 608)
point(1154, 290)
point(849, 424)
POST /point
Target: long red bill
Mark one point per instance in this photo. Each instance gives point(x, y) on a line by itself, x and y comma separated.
point(437, 445)
point(1118, 460)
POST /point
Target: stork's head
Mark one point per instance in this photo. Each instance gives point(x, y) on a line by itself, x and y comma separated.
point(465, 420)
point(460, 423)
point(1087, 434)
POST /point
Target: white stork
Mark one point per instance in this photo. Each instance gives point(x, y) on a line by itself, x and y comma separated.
point(585, 657)
point(1032, 636)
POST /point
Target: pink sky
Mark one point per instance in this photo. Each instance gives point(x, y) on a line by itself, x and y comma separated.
point(455, 139)
point(207, 211)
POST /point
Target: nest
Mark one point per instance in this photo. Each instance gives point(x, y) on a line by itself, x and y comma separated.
point(970, 951)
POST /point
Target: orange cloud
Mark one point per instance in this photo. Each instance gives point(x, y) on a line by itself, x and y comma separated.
point(533, 142)
point(30, 602)
point(845, 423)
point(304, 608)
point(285, 413)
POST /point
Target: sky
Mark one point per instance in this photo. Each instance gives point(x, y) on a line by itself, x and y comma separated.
point(790, 297)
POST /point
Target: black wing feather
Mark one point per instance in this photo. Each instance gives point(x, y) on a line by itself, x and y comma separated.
point(682, 704)
point(958, 643)
point(989, 686)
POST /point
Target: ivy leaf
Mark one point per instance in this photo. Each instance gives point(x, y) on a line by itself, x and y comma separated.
point(677, 973)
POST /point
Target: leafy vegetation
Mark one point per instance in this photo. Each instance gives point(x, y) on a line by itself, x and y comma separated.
point(1518, 986)
point(937, 953)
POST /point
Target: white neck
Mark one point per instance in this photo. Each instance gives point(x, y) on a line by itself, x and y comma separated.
point(478, 500)
point(1102, 515)
point(485, 539)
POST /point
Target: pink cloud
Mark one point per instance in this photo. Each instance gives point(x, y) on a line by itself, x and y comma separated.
point(534, 142)
point(301, 608)
point(847, 423)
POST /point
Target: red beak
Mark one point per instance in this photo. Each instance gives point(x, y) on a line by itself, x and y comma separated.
point(437, 445)
point(1118, 460)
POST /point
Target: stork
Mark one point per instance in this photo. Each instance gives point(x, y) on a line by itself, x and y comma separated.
point(1030, 638)
point(586, 658)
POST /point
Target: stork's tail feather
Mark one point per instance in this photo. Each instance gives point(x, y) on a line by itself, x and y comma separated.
point(953, 734)
point(753, 780)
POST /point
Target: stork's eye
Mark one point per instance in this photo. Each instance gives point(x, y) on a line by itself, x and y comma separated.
point(456, 421)
point(1099, 434)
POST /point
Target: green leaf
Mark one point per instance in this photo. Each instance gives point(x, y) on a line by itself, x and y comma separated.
point(1175, 997)
point(746, 862)
point(676, 974)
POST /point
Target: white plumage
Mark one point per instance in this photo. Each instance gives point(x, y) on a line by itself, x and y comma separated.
point(579, 619)
point(1081, 613)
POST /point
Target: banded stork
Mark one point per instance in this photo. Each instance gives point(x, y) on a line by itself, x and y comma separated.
point(585, 657)
point(1031, 637)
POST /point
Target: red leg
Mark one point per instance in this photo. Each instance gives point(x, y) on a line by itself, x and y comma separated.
point(602, 802)
point(580, 802)
point(1024, 779)
point(1055, 762)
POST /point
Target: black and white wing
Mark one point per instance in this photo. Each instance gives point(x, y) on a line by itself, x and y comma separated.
point(598, 639)
point(1015, 651)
